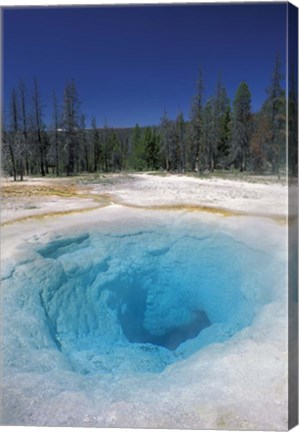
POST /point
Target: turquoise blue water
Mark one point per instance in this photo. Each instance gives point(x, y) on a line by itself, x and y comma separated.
point(138, 302)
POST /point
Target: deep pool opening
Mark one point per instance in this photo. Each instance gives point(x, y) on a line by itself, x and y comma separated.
point(131, 315)
point(171, 339)
point(138, 303)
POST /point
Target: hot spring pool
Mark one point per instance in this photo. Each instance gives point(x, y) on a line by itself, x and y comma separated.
point(135, 302)
point(145, 319)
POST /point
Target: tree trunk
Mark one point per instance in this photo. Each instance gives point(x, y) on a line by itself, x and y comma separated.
point(56, 156)
point(86, 158)
point(212, 164)
point(21, 171)
point(71, 160)
point(27, 162)
point(167, 164)
point(13, 162)
point(42, 168)
point(46, 167)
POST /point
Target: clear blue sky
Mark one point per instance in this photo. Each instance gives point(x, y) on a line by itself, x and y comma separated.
point(131, 63)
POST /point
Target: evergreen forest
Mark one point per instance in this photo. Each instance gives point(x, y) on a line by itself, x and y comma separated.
point(219, 134)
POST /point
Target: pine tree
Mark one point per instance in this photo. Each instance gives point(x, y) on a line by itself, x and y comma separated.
point(71, 125)
point(24, 125)
point(166, 140)
point(39, 125)
point(196, 150)
point(137, 159)
point(13, 136)
point(260, 137)
point(181, 144)
point(123, 138)
point(56, 127)
point(241, 126)
point(225, 134)
point(210, 135)
point(275, 109)
point(97, 150)
point(7, 159)
point(84, 144)
point(106, 147)
point(16, 139)
point(222, 122)
point(116, 154)
point(152, 148)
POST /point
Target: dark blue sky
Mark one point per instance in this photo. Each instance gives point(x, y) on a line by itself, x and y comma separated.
point(131, 63)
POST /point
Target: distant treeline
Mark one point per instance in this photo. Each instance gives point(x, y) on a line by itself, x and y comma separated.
point(218, 135)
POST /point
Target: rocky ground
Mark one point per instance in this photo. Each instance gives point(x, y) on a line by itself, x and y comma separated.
point(45, 196)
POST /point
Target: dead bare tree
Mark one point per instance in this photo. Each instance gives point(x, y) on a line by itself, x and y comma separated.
point(38, 125)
